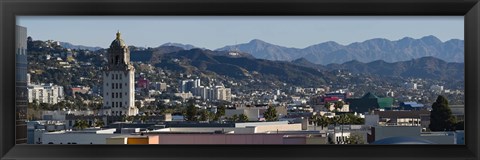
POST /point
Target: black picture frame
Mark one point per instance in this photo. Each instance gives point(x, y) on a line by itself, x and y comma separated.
point(470, 9)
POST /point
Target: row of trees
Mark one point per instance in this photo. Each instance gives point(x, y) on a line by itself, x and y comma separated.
point(192, 113)
point(82, 124)
point(68, 103)
point(325, 121)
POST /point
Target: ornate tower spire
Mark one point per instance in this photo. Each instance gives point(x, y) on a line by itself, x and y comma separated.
point(118, 34)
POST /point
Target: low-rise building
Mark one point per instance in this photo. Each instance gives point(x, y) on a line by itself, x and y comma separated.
point(86, 136)
point(379, 133)
point(45, 93)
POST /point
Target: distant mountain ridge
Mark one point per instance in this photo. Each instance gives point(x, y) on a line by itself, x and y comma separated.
point(72, 46)
point(183, 46)
point(333, 53)
point(426, 67)
point(204, 61)
point(300, 70)
point(367, 51)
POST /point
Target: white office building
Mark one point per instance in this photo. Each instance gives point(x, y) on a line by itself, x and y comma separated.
point(45, 93)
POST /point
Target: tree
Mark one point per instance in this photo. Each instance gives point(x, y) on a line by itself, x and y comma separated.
point(327, 105)
point(99, 123)
point(338, 105)
point(270, 114)
point(234, 118)
point(80, 124)
point(191, 113)
point(204, 115)
point(323, 121)
point(242, 118)
point(354, 119)
point(441, 118)
point(355, 138)
point(143, 118)
point(345, 119)
point(220, 112)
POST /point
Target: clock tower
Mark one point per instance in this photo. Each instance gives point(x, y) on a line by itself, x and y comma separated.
point(118, 81)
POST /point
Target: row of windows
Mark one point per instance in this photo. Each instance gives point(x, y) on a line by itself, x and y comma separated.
point(117, 85)
point(116, 76)
point(117, 94)
point(117, 104)
point(115, 112)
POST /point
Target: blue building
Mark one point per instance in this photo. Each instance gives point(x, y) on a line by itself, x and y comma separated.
point(412, 106)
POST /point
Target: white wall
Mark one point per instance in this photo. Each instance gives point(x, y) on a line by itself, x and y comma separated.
point(79, 138)
point(127, 82)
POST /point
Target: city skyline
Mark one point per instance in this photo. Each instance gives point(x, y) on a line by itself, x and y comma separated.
point(213, 32)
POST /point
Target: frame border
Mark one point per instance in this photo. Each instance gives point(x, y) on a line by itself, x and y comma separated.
point(470, 9)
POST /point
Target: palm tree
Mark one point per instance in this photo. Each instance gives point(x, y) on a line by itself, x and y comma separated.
point(313, 119)
point(242, 118)
point(143, 118)
point(80, 124)
point(327, 106)
point(234, 118)
point(343, 119)
point(204, 115)
point(323, 121)
point(99, 123)
point(338, 105)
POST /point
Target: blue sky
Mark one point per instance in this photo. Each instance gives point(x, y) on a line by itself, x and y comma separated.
point(213, 32)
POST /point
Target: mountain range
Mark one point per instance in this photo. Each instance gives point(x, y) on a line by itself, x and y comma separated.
point(331, 52)
point(367, 51)
point(299, 71)
point(72, 46)
point(425, 67)
point(238, 67)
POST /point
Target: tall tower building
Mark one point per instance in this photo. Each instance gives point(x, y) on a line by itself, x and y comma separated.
point(21, 100)
point(119, 81)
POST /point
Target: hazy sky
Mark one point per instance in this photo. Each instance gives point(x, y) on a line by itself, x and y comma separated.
point(213, 32)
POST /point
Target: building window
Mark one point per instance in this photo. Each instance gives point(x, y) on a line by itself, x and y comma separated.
point(107, 93)
point(107, 84)
point(121, 113)
point(120, 105)
point(113, 86)
point(120, 86)
point(120, 76)
point(120, 95)
point(107, 102)
point(112, 76)
point(113, 95)
point(116, 76)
